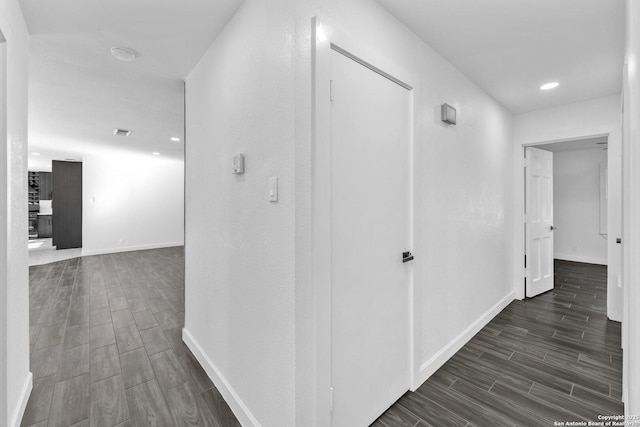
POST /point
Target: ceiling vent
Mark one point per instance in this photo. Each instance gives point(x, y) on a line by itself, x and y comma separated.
point(121, 132)
point(123, 54)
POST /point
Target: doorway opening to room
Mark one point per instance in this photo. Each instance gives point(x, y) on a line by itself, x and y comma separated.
point(580, 221)
point(566, 208)
point(54, 237)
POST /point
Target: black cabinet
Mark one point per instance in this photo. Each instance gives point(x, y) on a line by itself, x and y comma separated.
point(33, 225)
point(45, 187)
point(45, 226)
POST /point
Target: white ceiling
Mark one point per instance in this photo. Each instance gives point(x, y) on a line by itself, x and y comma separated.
point(78, 93)
point(576, 144)
point(511, 47)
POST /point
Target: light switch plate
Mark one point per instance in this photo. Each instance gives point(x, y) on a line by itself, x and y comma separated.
point(273, 189)
point(238, 164)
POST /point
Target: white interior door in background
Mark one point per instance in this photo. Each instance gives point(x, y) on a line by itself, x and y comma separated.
point(370, 230)
point(539, 221)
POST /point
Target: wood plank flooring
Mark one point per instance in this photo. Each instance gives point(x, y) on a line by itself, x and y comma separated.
point(106, 346)
point(555, 357)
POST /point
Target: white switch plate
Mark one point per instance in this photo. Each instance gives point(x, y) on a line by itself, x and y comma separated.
point(273, 189)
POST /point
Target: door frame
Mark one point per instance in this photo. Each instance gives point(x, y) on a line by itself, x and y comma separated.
point(5, 178)
point(324, 39)
point(614, 137)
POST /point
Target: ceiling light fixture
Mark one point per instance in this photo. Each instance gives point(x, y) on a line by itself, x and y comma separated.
point(176, 139)
point(123, 54)
point(36, 154)
point(155, 153)
point(548, 86)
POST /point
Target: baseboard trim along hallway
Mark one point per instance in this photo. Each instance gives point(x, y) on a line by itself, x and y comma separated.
point(239, 408)
point(22, 401)
point(581, 258)
point(429, 367)
point(107, 251)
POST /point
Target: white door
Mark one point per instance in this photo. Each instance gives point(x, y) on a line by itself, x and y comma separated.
point(370, 230)
point(539, 221)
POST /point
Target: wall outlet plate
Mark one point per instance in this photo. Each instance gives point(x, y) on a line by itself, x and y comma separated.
point(238, 164)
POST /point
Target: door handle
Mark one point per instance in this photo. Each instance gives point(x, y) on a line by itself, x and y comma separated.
point(551, 228)
point(407, 256)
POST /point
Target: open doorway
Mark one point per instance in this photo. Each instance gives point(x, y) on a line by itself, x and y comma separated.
point(580, 197)
point(55, 225)
point(585, 207)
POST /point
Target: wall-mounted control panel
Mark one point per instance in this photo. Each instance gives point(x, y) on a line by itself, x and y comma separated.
point(238, 164)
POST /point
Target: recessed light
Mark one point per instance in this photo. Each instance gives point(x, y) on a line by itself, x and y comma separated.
point(176, 139)
point(548, 86)
point(36, 154)
point(123, 54)
point(155, 153)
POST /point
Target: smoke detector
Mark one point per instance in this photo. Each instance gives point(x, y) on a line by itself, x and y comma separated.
point(123, 54)
point(121, 132)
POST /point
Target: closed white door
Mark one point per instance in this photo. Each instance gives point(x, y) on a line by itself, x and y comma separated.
point(370, 230)
point(539, 221)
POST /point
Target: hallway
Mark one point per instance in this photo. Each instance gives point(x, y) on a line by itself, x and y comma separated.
point(555, 357)
point(106, 347)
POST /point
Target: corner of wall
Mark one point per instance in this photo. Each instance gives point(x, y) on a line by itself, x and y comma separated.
point(434, 363)
point(239, 408)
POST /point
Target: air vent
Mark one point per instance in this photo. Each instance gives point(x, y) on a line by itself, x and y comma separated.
point(121, 132)
point(123, 54)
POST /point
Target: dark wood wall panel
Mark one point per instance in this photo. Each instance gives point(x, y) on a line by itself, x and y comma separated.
point(67, 204)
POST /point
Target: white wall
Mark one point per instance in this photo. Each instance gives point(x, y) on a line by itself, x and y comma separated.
point(568, 121)
point(464, 198)
point(131, 202)
point(600, 116)
point(15, 380)
point(631, 238)
point(239, 247)
point(576, 206)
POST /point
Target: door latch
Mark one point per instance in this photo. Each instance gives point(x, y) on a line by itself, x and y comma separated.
point(407, 256)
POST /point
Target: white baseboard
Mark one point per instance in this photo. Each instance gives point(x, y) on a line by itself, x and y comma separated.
point(88, 252)
point(437, 360)
point(18, 412)
point(581, 258)
point(236, 404)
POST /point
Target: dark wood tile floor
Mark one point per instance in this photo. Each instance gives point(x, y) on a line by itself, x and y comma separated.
point(106, 346)
point(554, 357)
